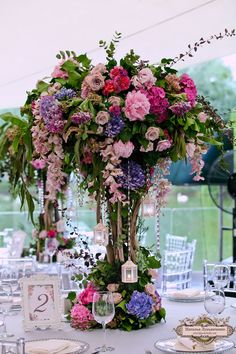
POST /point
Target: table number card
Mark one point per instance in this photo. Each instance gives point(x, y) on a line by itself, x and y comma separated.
point(204, 329)
point(41, 302)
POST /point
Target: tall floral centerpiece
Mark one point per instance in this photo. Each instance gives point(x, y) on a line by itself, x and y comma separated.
point(118, 126)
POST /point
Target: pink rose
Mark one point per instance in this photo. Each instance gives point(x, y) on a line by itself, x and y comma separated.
point(202, 117)
point(95, 81)
point(123, 149)
point(115, 100)
point(43, 234)
point(136, 106)
point(152, 133)
point(163, 145)
point(58, 72)
point(112, 287)
point(102, 117)
point(99, 68)
point(117, 297)
point(150, 289)
point(144, 78)
point(86, 296)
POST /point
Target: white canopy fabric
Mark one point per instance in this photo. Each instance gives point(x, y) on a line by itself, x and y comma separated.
point(33, 31)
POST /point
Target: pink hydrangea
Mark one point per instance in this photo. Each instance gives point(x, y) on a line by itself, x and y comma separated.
point(58, 72)
point(86, 296)
point(188, 86)
point(123, 149)
point(136, 106)
point(81, 317)
point(159, 103)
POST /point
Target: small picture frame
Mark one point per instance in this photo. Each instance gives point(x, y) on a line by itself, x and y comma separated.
point(41, 302)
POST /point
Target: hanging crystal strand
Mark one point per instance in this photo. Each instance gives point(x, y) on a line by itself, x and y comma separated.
point(129, 213)
point(40, 184)
point(80, 190)
point(156, 179)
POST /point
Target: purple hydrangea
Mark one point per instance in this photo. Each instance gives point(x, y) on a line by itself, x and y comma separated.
point(140, 305)
point(51, 113)
point(80, 117)
point(180, 108)
point(64, 94)
point(114, 126)
point(136, 176)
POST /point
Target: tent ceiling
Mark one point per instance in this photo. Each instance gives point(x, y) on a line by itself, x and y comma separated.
point(32, 33)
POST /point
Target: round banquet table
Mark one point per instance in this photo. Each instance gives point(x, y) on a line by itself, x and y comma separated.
point(134, 342)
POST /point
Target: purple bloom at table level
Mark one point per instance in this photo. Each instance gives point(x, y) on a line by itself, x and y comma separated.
point(51, 113)
point(64, 94)
point(136, 176)
point(140, 305)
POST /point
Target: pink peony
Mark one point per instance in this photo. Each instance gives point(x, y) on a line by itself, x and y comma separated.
point(38, 164)
point(145, 78)
point(123, 149)
point(58, 72)
point(102, 117)
point(81, 317)
point(163, 145)
point(86, 296)
point(136, 106)
point(152, 133)
point(202, 117)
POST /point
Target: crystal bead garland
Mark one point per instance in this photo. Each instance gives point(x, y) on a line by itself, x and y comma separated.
point(40, 184)
point(148, 208)
point(129, 270)
point(101, 232)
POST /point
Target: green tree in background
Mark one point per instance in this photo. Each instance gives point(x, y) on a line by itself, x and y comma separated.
point(215, 81)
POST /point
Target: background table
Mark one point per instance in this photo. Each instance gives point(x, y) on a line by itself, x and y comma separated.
point(135, 342)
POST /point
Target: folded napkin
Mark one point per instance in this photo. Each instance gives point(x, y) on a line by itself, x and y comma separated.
point(188, 345)
point(51, 346)
point(185, 293)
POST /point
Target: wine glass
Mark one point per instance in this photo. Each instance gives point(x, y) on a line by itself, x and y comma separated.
point(221, 276)
point(214, 301)
point(51, 245)
point(6, 304)
point(103, 312)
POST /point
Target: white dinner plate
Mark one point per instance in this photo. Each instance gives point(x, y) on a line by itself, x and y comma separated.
point(76, 346)
point(196, 298)
point(168, 346)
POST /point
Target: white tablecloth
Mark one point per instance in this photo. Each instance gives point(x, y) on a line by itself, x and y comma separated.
point(135, 342)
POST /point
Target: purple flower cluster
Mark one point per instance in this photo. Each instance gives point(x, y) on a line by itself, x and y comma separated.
point(180, 108)
point(140, 305)
point(80, 117)
point(136, 176)
point(65, 94)
point(114, 126)
point(51, 113)
point(158, 102)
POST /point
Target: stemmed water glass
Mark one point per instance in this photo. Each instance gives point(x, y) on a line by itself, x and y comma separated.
point(51, 245)
point(221, 276)
point(103, 312)
point(214, 301)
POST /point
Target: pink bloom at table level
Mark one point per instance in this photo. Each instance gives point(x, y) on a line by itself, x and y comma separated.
point(117, 297)
point(202, 117)
point(112, 287)
point(152, 133)
point(145, 78)
point(81, 317)
point(136, 106)
point(86, 296)
point(38, 164)
point(43, 234)
point(58, 72)
point(123, 149)
point(163, 145)
point(52, 233)
point(102, 117)
point(150, 289)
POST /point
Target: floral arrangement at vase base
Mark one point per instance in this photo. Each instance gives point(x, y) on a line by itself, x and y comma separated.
point(137, 305)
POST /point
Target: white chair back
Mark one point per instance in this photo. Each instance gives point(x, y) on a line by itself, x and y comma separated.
point(17, 244)
point(175, 243)
point(23, 267)
point(17, 347)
